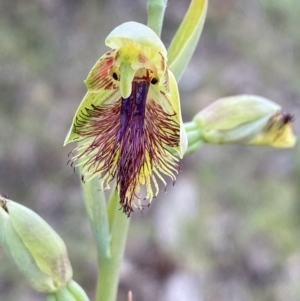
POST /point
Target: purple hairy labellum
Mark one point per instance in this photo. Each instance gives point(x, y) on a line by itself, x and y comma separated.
point(128, 142)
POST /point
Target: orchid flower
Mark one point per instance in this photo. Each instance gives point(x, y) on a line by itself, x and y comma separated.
point(129, 123)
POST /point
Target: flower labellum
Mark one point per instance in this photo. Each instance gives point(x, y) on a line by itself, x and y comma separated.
point(129, 124)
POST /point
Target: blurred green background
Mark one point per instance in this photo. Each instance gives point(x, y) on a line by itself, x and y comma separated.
point(229, 229)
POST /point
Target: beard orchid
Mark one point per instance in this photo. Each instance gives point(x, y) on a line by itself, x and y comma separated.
point(129, 124)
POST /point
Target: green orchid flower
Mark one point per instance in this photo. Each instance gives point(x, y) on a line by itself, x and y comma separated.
point(129, 123)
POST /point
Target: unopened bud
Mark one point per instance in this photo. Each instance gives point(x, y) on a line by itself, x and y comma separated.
point(34, 246)
point(245, 119)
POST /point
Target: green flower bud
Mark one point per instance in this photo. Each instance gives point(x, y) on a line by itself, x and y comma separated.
point(34, 246)
point(245, 119)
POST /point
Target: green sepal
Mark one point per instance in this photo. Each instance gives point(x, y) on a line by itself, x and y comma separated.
point(229, 112)
point(186, 38)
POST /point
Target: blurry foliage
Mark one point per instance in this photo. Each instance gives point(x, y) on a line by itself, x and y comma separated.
point(229, 229)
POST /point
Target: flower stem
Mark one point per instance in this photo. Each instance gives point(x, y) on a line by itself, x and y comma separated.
point(96, 208)
point(109, 266)
point(194, 136)
point(156, 12)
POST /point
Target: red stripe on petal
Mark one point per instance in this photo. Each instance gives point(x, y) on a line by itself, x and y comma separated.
point(99, 76)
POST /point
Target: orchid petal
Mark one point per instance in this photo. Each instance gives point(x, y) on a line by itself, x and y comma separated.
point(167, 96)
point(101, 89)
point(175, 102)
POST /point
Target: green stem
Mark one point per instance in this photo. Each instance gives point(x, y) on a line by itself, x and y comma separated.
point(194, 137)
point(192, 148)
point(109, 267)
point(63, 295)
point(156, 12)
point(96, 208)
point(50, 297)
point(190, 125)
point(77, 291)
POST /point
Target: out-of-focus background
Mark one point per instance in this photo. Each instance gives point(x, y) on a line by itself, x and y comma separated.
point(229, 230)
